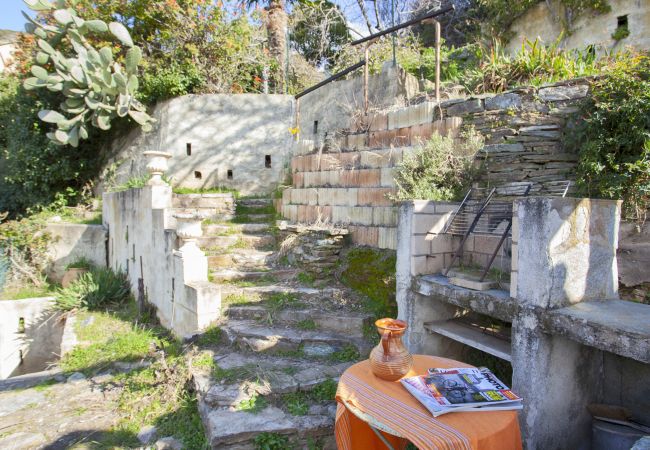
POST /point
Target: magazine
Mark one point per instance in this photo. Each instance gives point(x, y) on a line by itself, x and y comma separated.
point(461, 389)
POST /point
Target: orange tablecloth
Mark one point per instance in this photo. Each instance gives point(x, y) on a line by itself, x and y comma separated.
point(391, 405)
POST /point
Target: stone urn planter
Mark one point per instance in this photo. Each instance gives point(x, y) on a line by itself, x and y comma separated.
point(157, 166)
point(188, 229)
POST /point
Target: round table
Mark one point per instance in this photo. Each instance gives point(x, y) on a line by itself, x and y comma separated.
point(377, 414)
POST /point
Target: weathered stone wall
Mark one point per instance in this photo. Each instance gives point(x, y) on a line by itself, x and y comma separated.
point(314, 249)
point(216, 140)
point(72, 242)
point(545, 20)
point(142, 242)
point(348, 179)
point(30, 335)
point(333, 106)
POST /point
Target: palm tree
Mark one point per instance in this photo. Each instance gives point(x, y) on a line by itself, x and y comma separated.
point(276, 29)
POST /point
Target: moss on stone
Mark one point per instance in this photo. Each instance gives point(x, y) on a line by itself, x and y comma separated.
point(371, 272)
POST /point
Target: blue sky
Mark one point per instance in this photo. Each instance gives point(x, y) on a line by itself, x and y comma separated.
point(10, 17)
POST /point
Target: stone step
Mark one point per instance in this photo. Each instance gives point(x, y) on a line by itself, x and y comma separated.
point(235, 228)
point(260, 338)
point(242, 275)
point(246, 375)
point(256, 218)
point(252, 202)
point(256, 241)
point(240, 257)
point(214, 214)
point(280, 289)
point(228, 429)
point(347, 323)
point(223, 201)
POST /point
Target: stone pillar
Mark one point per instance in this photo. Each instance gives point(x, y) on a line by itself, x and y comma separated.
point(564, 252)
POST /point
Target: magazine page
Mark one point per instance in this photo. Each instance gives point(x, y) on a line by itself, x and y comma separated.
point(466, 387)
point(420, 391)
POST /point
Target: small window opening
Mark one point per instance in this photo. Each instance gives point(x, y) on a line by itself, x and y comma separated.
point(188, 148)
point(229, 174)
point(267, 161)
point(622, 29)
point(315, 126)
point(197, 175)
point(21, 325)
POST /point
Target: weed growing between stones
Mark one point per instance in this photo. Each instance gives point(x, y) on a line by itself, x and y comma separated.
point(307, 324)
point(204, 360)
point(99, 288)
point(210, 337)
point(297, 403)
point(235, 374)
point(306, 278)
point(254, 404)
point(272, 441)
point(347, 353)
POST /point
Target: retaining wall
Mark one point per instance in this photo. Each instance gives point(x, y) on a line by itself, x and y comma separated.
point(72, 242)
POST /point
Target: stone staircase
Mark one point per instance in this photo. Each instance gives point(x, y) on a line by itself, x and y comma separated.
point(282, 344)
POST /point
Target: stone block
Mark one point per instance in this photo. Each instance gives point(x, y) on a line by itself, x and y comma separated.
point(402, 137)
point(486, 244)
point(333, 178)
point(470, 106)
point(357, 140)
point(418, 265)
point(369, 178)
point(442, 243)
point(295, 164)
point(384, 216)
point(420, 245)
point(387, 238)
point(374, 197)
point(504, 101)
point(392, 120)
point(387, 177)
point(349, 178)
point(578, 238)
point(361, 215)
point(424, 207)
point(429, 223)
point(298, 179)
point(560, 93)
point(365, 235)
point(474, 285)
point(378, 121)
point(376, 159)
point(349, 160)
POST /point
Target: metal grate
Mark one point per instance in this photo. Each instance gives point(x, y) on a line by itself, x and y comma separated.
point(488, 211)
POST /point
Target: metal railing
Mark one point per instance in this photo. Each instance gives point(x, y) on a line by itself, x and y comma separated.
point(369, 40)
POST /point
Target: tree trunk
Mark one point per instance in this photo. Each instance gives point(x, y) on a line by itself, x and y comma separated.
point(276, 27)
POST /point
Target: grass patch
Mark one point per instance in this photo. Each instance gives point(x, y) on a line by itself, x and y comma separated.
point(111, 338)
point(253, 405)
point(246, 209)
point(297, 403)
point(241, 299)
point(264, 280)
point(347, 353)
point(235, 374)
point(24, 292)
point(44, 385)
point(282, 300)
point(248, 218)
point(272, 441)
point(211, 336)
point(212, 190)
point(204, 360)
point(306, 278)
point(307, 325)
point(155, 395)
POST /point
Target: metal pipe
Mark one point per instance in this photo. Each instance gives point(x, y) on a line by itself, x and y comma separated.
point(408, 23)
point(438, 58)
point(334, 77)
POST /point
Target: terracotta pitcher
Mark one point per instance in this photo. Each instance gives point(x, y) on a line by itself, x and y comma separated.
point(390, 360)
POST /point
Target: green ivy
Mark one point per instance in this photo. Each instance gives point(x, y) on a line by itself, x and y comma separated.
point(612, 137)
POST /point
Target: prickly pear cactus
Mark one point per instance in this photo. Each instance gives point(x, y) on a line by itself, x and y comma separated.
point(96, 87)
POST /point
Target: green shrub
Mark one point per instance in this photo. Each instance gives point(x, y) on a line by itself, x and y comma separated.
point(271, 441)
point(612, 137)
point(96, 289)
point(442, 169)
